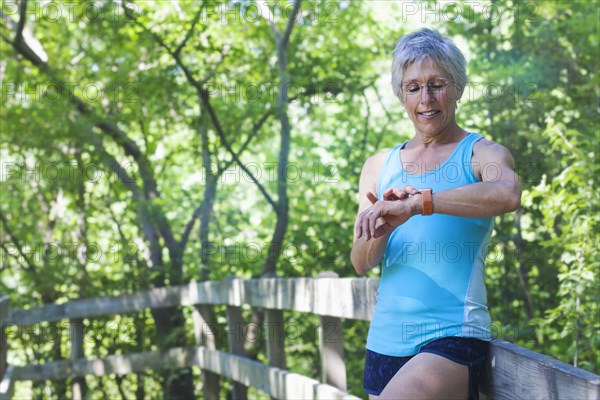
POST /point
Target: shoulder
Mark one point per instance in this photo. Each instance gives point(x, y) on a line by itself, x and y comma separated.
point(485, 150)
point(492, 160)
point(371, 170)
point(376, 161)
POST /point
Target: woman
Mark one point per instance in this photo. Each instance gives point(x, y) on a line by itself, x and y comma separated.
point(426, 208)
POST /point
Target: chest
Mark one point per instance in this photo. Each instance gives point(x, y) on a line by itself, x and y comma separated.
point(419, 162)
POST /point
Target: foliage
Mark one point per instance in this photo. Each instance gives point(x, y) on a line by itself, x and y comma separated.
point(85, 215)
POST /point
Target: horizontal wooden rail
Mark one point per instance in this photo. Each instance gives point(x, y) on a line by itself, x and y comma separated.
point(273, 381)
point(514, 372)
point(336, 297)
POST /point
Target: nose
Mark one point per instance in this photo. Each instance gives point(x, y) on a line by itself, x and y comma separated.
point(426, 95)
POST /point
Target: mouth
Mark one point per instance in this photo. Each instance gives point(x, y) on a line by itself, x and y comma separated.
point(429, 114)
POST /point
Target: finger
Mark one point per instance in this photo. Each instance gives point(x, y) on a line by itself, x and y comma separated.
point(389, 194)
point(410, 190)
point(400, 193)
point(365, 226)
point(372, 198)
point(358, 231)
point(382, 230)
point(372, 222)
point(358, 228)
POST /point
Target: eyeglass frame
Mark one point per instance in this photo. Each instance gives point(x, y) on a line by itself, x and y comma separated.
point(428, 84)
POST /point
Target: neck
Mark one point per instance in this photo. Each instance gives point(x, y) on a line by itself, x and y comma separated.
point(450, 134)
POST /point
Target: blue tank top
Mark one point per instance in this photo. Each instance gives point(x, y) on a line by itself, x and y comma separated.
point(432, 281)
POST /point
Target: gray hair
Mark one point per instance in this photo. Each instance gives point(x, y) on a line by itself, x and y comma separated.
point(426, 44)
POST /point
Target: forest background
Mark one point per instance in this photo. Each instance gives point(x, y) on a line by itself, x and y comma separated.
point(152, 143)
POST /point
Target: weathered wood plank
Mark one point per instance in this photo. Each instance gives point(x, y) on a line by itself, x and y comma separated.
point(7, 384)
point(336, 297)
point(271, 380)
point(204, 332)
point(275, 338)
point(235, 344)
point(517, 373)
point(4, 316)
point(78, 385)
point(331, 348)
point(331, 337)
point(190, 294)
point(4, 309)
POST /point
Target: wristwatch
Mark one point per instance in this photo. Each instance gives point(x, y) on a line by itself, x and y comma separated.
point(426, 195)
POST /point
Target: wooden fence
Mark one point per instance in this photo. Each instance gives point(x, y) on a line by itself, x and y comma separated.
point(512, 372)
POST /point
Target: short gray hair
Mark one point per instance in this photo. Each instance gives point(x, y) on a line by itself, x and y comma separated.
point(427, 44)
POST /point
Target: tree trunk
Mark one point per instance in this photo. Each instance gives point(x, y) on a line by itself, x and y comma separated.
point(281, 41)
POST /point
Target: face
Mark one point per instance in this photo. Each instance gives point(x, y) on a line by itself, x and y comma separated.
point(429, 96)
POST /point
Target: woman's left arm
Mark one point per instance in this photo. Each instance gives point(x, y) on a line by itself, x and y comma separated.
point(498, 192)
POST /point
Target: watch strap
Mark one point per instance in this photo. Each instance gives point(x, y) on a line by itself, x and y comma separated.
point(426, 195)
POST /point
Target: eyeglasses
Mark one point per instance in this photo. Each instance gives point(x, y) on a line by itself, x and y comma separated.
point(433, 86)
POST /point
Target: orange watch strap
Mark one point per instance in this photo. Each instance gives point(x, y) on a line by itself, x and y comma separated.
point(427, 201)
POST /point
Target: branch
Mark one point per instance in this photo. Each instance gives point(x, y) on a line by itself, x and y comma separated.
point(290, 25)
point(110, 128)
point(17, 259)
point(22, 19)
point(235, 157)
point(117, 168)
point(189, 33)
point(157, 38)
point(198, 210)
point(204, 98)
point(189, 226)
point(30, 265)
point(24, 42)
point(251, 136)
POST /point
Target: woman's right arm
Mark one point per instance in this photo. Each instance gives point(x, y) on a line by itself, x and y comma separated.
point(366, 254)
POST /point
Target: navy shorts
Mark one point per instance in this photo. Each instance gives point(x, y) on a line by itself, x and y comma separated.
point(380, 369)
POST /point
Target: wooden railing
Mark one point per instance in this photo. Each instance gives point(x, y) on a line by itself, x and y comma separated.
point(512, 371)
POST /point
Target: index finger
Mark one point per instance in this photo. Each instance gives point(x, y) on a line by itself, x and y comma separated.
point(372, 198)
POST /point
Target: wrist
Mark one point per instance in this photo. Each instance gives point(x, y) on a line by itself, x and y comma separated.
point(416, 208)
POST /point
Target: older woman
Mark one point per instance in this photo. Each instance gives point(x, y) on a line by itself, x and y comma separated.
point(426, 208)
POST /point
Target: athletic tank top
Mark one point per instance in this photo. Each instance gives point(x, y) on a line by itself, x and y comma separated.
point(432, 281)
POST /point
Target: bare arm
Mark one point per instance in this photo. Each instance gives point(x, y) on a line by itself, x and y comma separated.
point(498, 193)
point(367, 253)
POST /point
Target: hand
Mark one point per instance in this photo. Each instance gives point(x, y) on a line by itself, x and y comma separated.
point(395, 193)
point(394, 210)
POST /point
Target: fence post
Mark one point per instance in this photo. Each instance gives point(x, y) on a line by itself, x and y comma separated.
point(78, 385)
point(331, 347)
point(274, 335)
point(205, 330)
point(235, 338)
point(4, 317)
